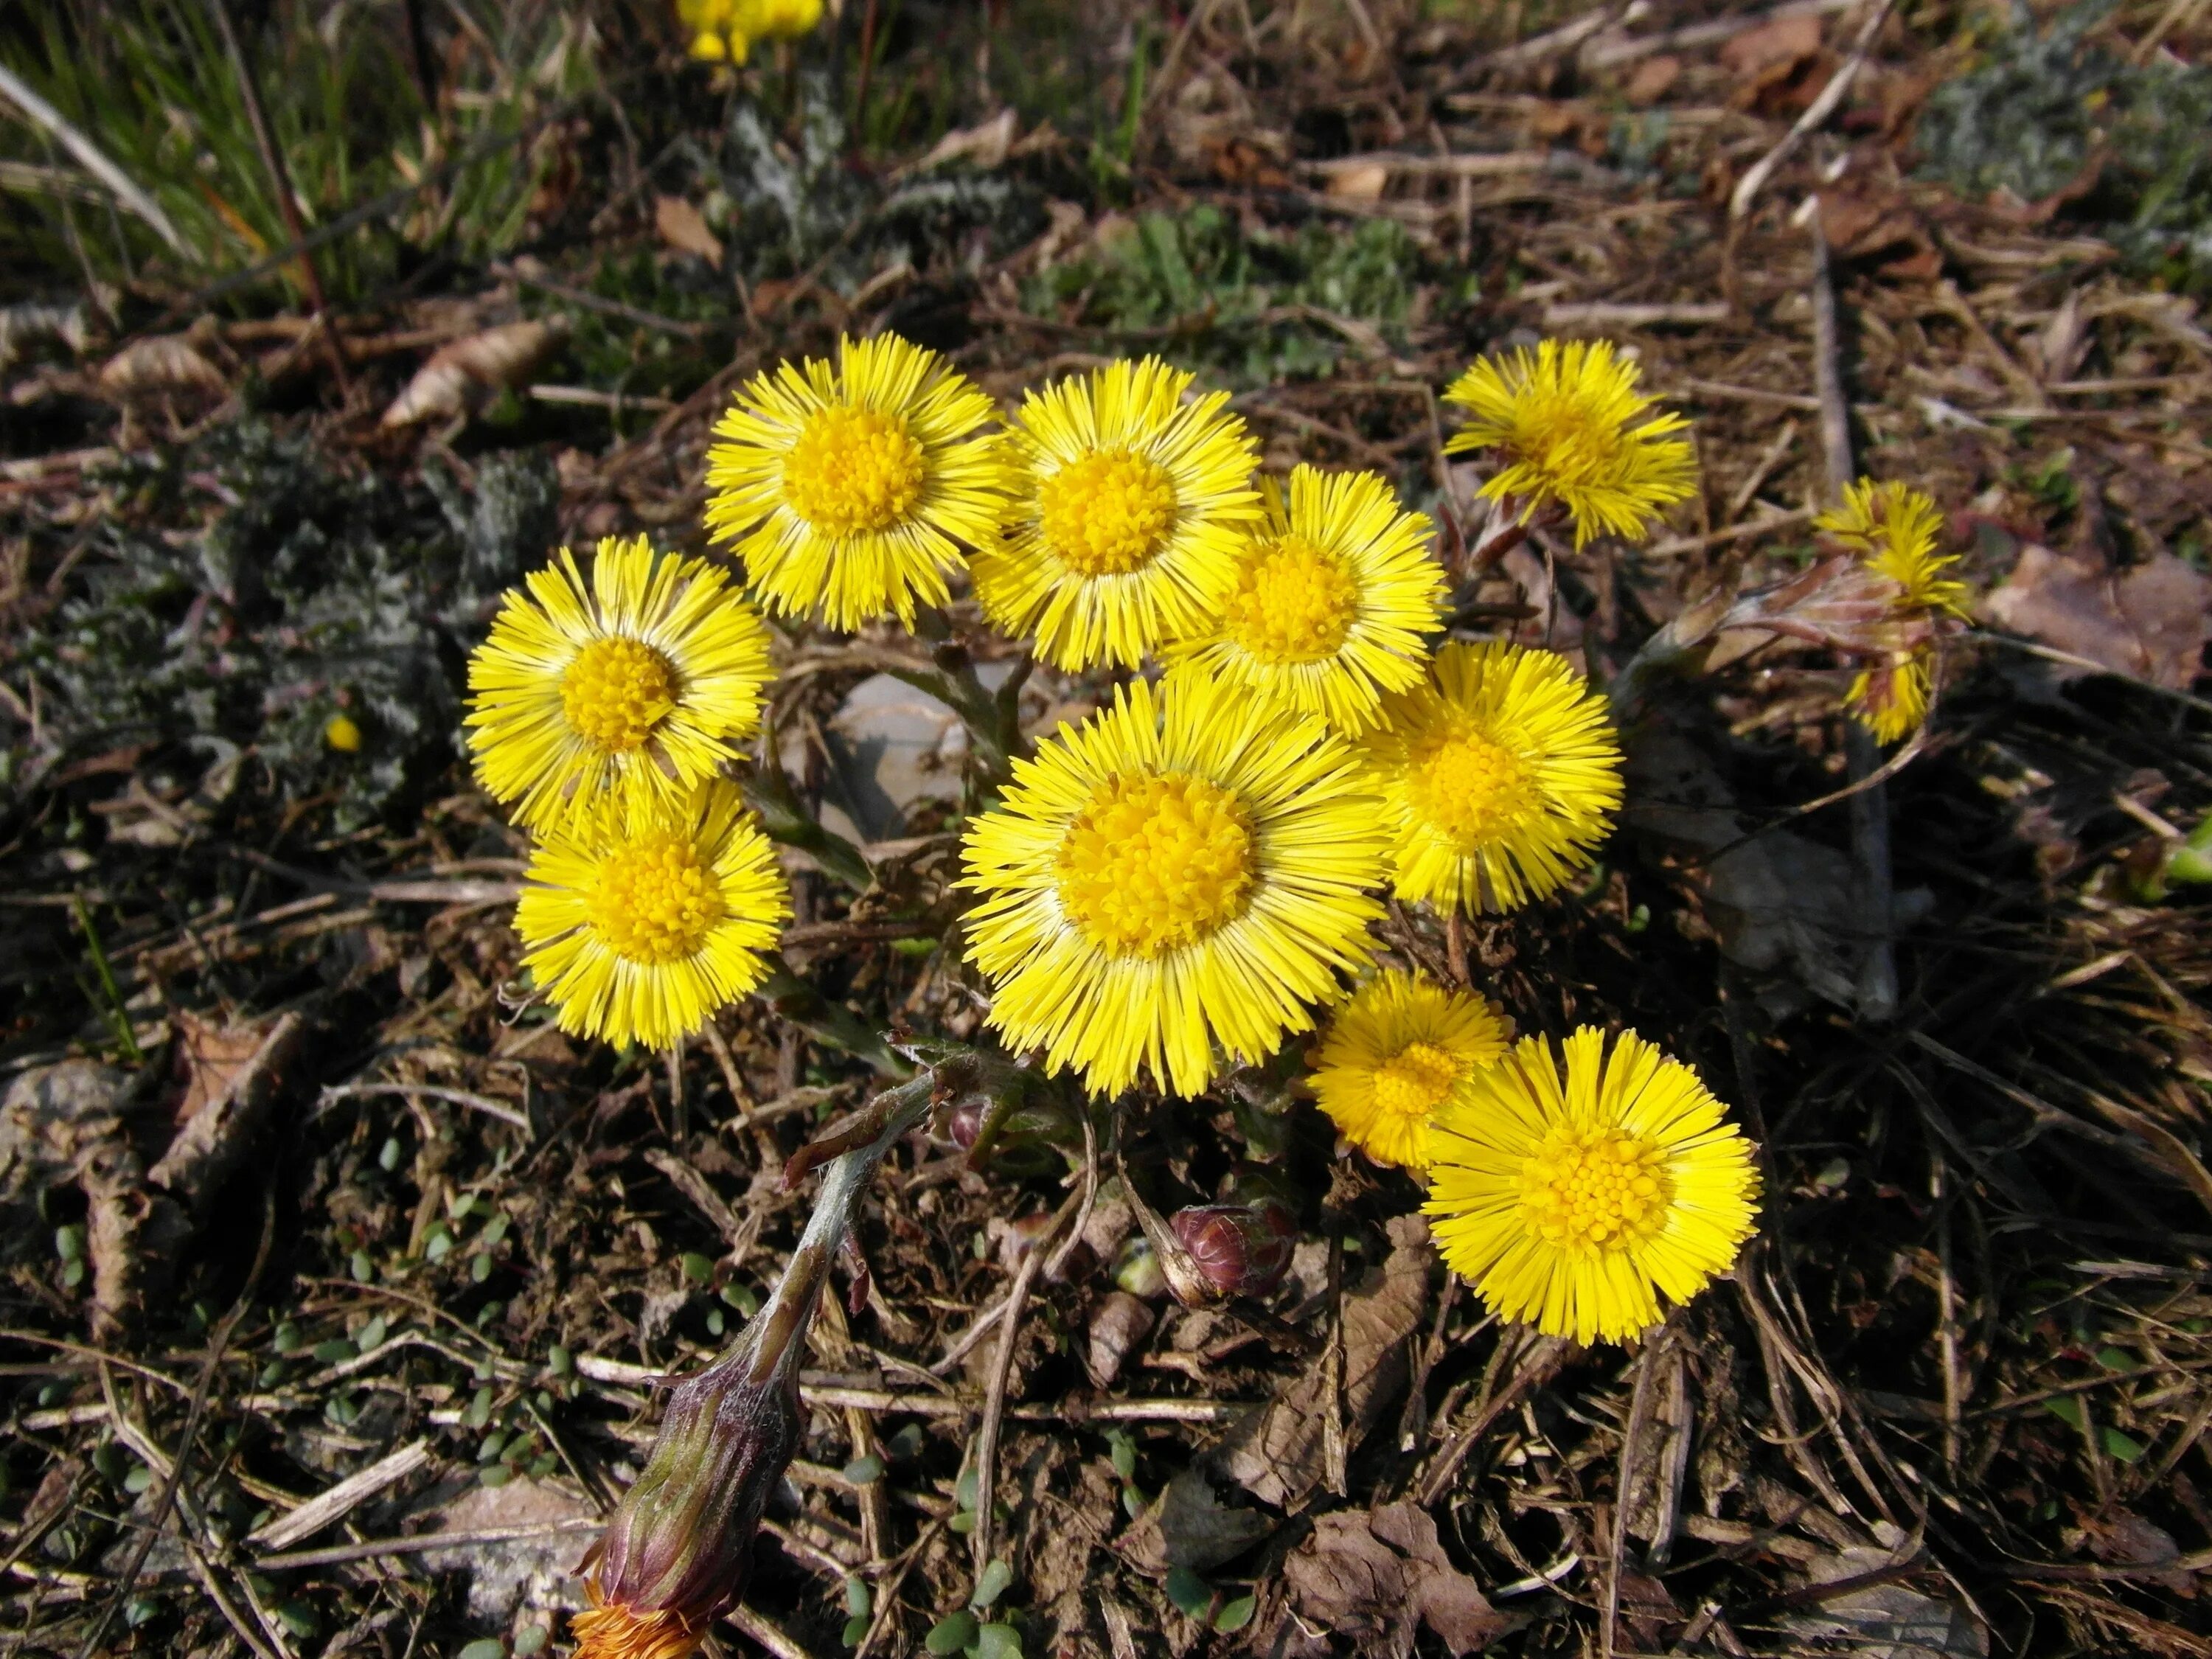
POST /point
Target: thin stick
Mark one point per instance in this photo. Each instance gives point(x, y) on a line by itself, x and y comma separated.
point(429, 1091)
point(994, 1406)
point(1947, 1315)
point(1815, 116)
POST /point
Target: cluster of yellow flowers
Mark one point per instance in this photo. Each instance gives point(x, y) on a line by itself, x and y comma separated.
point(1173, 886)
point(723, 31)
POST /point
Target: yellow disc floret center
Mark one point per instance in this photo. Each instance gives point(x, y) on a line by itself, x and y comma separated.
point(1595, 1189)
point(1156, 862)
point(616, 691)
point(1108, 512)
point(1416, 1080)
point(1471, 788)
point(1294, 603)
point(656, 899)
point(852, 470)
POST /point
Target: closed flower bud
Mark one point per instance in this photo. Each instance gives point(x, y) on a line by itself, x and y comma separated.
point(1015, 1121)
point(679, 1547)
point(1235, 1249)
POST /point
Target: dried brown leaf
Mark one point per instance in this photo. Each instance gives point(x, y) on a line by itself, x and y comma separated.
point(684, 227)
point(167, 362)
point(457, 375)
point(2148, 621)
point(1119, 1326)
point(1275, 1452)
point(1188, 1526)
point(1372, 1578)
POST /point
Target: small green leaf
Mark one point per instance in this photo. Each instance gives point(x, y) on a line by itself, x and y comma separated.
point(856, 1630)
point(140, 1609)
point(479, 1410)
point(363, 1268)
point(998, 1641)
point(437, 1243)
point(2119, 1359)
point(1235, 1615)
point(962, 1521)
point(2125, 1447)
point(531, 1638)
point(560, 1361)
point(298, 1617)
point(715, 1323)
point(963, 1495)
point(495, 1230)
point(497, 1475)
point(997, 1577)
point(286, 1338)
point(2066, 1408)
point(950, 1634)
point(479, 1268)
point(743, 1298)
point(1133, 1502)
point(493, 1444)
point(488, 1647)
point(73, 1272)
point(865, 1471)
point(387, 1155)
point(696, 1268)
point(370, 1337)
point(142, 1477)
point(1124, 1450)
point(859, 1602)
point(1192, 1595)
point(69, 1243)
point(336, 1351)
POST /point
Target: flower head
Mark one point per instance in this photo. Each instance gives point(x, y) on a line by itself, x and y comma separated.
point(1891, 698)
point(1895, 529)
point(850, 491)
point(725, 30)
point(1574, 1203)
point(638, 683)
point(1395, 1054)
point(1187, 870)
point(1125, 534)
point(642, 920)
point(1500, 774)
point(1574, 429)
point(1334, 591)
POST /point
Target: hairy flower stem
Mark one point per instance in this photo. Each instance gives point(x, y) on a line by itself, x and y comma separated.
point(993, 718)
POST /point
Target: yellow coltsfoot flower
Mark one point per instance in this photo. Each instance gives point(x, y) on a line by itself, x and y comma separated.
point(1500, 774)
point(1131, 505)
point(851, 491)
point(642, 920)
point(1172, 881)
point(1894, 530)
point(1334, 595)
point(1573, 1204)
point(1574, 430)
point(1395, 1054)
point(639, 682)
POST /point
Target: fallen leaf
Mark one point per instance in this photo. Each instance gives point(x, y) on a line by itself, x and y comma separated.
point(1786, 41)
point(1188, 1526)
point(214, 1141)
point(2121, 1535)
point(985, 144)
point(457, 375)
point(538, 1571)
point(1654, 78)
point(1119, 1326)
point(1359, 184)
point(2149, 620)
point(685, 228)
point(1372, 1578)
point(209, 1059)
point(1275, 1452)
point(167, 362)
point(1885, 1621)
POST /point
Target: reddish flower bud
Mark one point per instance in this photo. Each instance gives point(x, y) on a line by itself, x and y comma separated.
point(679, 1549)
point(1236, 1249)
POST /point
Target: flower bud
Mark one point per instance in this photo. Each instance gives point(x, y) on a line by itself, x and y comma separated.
point(678, 1548)
point(1016, 1122)
point(1236, 1249)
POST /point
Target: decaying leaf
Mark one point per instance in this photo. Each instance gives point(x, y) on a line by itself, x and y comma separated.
point(1119, 1326)
point(167, 362)
point(1373, 1577)
point(209, 1059)
point(214, 1141)
point(1276, 1453)
point(500, 358)
point(1188, 1526)
point(1785, 42)
point(1886, 1620)
point(2149, 620)
point(985, 144)
point(684, 227)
